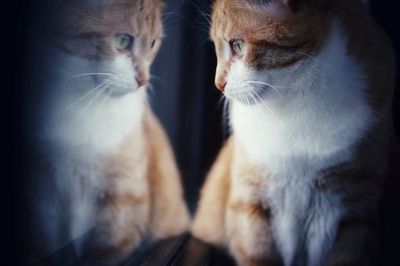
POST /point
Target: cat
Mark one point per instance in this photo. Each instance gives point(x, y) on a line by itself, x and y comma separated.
point(309, 85)
point(107, 172)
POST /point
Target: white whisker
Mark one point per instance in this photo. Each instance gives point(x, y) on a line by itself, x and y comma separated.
point(101, 90)
point(93, 74)
point(264, 83)
point(92, 91)
point(268, 108)
point(101, 105)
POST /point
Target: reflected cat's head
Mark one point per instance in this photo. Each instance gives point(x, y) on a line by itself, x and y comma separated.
point(260, 42)
point(112, 42)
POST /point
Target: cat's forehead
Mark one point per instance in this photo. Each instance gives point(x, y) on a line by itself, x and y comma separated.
point(96, 3)
point(236, 17)
point(107, 16)
point(258, 20)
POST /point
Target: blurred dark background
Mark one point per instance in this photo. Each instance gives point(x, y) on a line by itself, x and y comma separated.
point(184, 98)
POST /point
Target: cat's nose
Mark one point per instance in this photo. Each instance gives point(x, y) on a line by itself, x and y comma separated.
point(142, 78)
point(142, 81)
point(220, 82)
point(220, 85)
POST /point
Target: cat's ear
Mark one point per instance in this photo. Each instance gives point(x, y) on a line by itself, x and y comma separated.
point(275, 8)
point(293, 5)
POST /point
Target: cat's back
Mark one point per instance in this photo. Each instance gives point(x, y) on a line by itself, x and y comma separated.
point(371, 48)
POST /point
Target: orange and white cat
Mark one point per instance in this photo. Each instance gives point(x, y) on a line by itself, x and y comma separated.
point(310, 87)
point(109, 167)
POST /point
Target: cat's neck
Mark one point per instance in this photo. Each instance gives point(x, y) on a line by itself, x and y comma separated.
point(81, 118)
point(100, 128)
point(321, 123)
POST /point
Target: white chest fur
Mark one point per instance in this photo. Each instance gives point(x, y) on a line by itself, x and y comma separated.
point(315, 125)
point(78, 124)
point(79, 112)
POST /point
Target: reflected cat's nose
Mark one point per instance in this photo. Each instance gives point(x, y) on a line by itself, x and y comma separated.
point(141, 81)
point(142, 78)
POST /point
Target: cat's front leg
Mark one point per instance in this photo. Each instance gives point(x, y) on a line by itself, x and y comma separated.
point(356, 241)
point(353, 245)
point(120, 229)
point(249, 232)
point(122, 215)
point(248, 221)
point(168, 212)
point(209, 223)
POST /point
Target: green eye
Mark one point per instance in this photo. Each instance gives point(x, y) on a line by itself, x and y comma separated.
point(238, 47)
point(123, 42)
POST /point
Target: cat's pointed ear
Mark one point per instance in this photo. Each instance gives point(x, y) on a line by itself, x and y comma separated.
point(275, 8)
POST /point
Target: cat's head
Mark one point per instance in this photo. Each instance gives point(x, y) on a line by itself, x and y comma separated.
point(117, 40)
point(256, 39)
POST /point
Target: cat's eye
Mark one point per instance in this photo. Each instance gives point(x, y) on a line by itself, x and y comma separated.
point(123, 42)
point(153, 43)
point(238, 47)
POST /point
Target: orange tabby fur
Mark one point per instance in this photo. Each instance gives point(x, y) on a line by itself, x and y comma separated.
point(137, 189)
point(241, 221)
point(143, 199)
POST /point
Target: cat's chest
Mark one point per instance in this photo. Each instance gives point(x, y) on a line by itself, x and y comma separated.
point(93, 126)
point(70, 183)
point(80, 178)
point(304, 220)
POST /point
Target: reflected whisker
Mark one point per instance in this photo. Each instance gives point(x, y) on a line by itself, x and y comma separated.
point(92, 91)
point(200, 45)
point(151, 92)
point(102, 104)
point(93, 74)
point(102, 90)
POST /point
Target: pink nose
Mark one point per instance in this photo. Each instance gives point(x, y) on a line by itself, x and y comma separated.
point(220, 85)
point(142, 81)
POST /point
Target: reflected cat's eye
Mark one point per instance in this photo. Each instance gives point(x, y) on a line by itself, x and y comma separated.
point(238, 47)
point(123, 42)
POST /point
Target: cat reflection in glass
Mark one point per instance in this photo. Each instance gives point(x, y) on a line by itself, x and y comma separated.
point(112, 167)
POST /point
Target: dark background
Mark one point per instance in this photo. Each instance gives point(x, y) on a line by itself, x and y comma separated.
point(184, 98)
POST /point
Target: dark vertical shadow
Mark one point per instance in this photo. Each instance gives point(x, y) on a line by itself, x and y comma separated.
point(199, 129)
point(385, 12)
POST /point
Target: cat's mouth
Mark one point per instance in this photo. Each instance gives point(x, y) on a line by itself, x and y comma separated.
point(118, 93)
point(248, 95)
point(120, 88)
